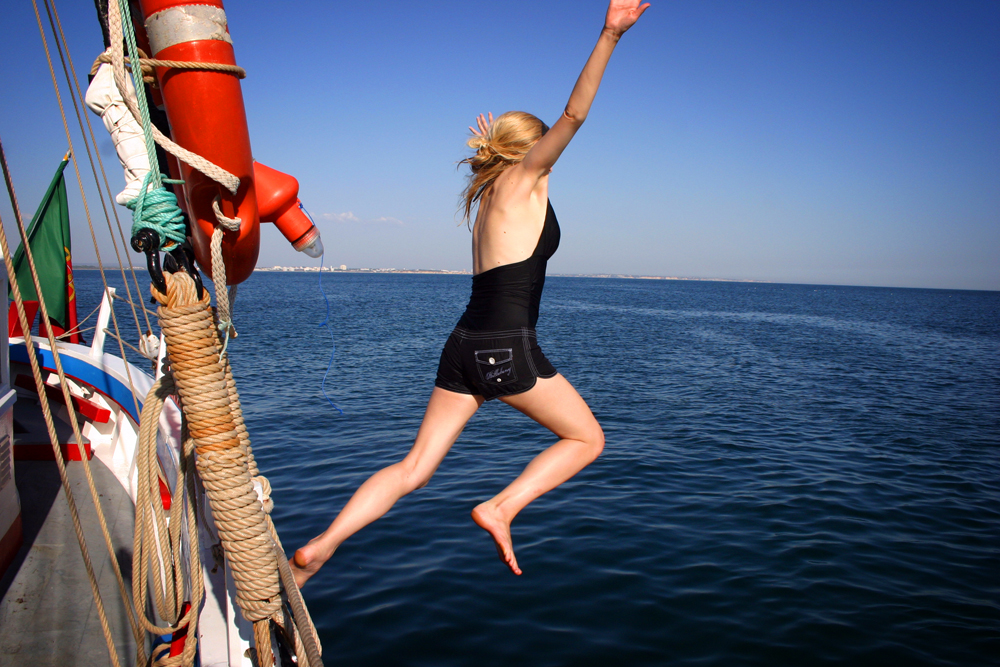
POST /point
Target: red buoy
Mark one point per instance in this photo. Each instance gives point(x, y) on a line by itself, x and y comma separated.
point(206, 114)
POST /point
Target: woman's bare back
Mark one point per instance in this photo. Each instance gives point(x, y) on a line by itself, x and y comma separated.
point(510, 220)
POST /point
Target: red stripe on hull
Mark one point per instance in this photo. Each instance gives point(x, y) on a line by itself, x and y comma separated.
point(43, 452)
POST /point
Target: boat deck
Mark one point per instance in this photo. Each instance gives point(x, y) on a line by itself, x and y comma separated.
point(47, 611)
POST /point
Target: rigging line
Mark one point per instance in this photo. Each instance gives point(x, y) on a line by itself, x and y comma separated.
point(128, 345)
point(50, 9)
point(47, 414)
point(79, 325)
point(148, 311)
point(55, 352)
point(333, 342)
point(79, 180)
point(73, 331)
point(107, 185)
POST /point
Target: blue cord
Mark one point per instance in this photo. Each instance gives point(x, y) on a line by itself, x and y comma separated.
point(333, 342)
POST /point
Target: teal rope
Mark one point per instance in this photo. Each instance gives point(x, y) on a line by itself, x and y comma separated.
point(157, 210)
point(156, 207)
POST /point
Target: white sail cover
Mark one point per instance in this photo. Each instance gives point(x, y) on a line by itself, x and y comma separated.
point(104, 99)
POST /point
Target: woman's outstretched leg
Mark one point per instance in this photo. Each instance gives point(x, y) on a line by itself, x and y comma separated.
point(446, 416)
point(556, 405)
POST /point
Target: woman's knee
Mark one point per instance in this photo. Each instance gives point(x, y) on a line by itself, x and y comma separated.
point(415, 476)
point(594, 439)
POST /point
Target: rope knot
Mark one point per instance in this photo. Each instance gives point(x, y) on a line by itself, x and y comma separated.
point(263, 488)
point(157, 209)
point(230, 224)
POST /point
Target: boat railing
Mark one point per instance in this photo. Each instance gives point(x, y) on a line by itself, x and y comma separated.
point(101, 330)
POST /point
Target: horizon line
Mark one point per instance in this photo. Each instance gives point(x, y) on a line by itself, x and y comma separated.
point(620, 276)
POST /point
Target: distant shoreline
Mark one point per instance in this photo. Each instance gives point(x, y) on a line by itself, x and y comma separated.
point(446, 272)
point(620, 276)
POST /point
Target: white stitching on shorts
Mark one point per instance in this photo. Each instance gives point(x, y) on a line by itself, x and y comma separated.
point(528, 355)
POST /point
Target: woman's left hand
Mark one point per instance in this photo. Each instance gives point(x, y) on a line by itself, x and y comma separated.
point(622, 15)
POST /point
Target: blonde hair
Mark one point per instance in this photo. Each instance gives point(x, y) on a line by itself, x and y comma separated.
point(506, 142)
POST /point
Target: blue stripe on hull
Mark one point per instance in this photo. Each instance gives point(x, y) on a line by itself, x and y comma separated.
point(84, 371)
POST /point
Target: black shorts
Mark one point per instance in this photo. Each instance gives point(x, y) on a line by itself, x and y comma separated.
point(492, 363)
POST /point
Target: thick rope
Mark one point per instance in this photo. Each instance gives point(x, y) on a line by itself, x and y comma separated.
point(147, 64)
point(223, 299)
point(222, 303)
point(308, 637)
point(193, 348)
point(292, 636)
point(239, 496)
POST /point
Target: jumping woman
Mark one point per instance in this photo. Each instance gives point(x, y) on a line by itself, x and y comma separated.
point(493, 352)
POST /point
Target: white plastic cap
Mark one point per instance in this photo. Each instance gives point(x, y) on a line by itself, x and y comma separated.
point(314, 248)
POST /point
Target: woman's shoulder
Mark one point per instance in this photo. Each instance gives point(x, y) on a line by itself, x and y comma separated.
point(515, 187)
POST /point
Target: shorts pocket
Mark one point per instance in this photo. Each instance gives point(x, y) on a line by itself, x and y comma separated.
point(496, 367)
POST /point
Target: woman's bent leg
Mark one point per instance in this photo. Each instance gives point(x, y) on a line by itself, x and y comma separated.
point(446, 416)
point(555, 404)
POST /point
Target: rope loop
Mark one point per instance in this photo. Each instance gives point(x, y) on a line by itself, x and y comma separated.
point(157, 209)
point(264, 494)
point(147, 64)
point(230, 224)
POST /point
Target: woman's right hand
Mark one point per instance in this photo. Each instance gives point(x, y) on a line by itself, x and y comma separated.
point(622, 15)
point(484, 125)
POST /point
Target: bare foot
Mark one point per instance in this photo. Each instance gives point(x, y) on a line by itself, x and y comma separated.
point(489, 519)
point(307, 561)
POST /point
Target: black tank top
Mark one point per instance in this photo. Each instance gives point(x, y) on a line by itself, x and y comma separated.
point(507, 297)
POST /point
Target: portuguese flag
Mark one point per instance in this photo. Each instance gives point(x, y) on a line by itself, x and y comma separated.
point(49, 239)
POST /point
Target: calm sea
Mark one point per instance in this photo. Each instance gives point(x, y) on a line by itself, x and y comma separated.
point(794, 475)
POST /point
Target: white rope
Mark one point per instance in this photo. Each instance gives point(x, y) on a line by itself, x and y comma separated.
point(231, 224)
point(224, 315)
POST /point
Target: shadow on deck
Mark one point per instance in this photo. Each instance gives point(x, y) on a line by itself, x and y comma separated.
point(47, 610)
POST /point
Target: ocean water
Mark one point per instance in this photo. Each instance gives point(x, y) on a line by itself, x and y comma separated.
point(793, 475)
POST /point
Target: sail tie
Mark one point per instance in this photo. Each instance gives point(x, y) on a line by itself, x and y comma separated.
point(147, 65)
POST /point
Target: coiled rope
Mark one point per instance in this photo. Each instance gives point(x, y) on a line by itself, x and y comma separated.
point(158, 547)
point(225, 462)
point(157, 209)
point(203, 378)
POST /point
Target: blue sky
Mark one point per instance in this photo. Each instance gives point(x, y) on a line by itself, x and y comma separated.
point(838, 142)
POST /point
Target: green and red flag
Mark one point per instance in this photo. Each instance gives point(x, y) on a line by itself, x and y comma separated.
point(51, 248)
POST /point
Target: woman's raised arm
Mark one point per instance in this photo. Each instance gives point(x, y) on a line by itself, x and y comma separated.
point(622, 15)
